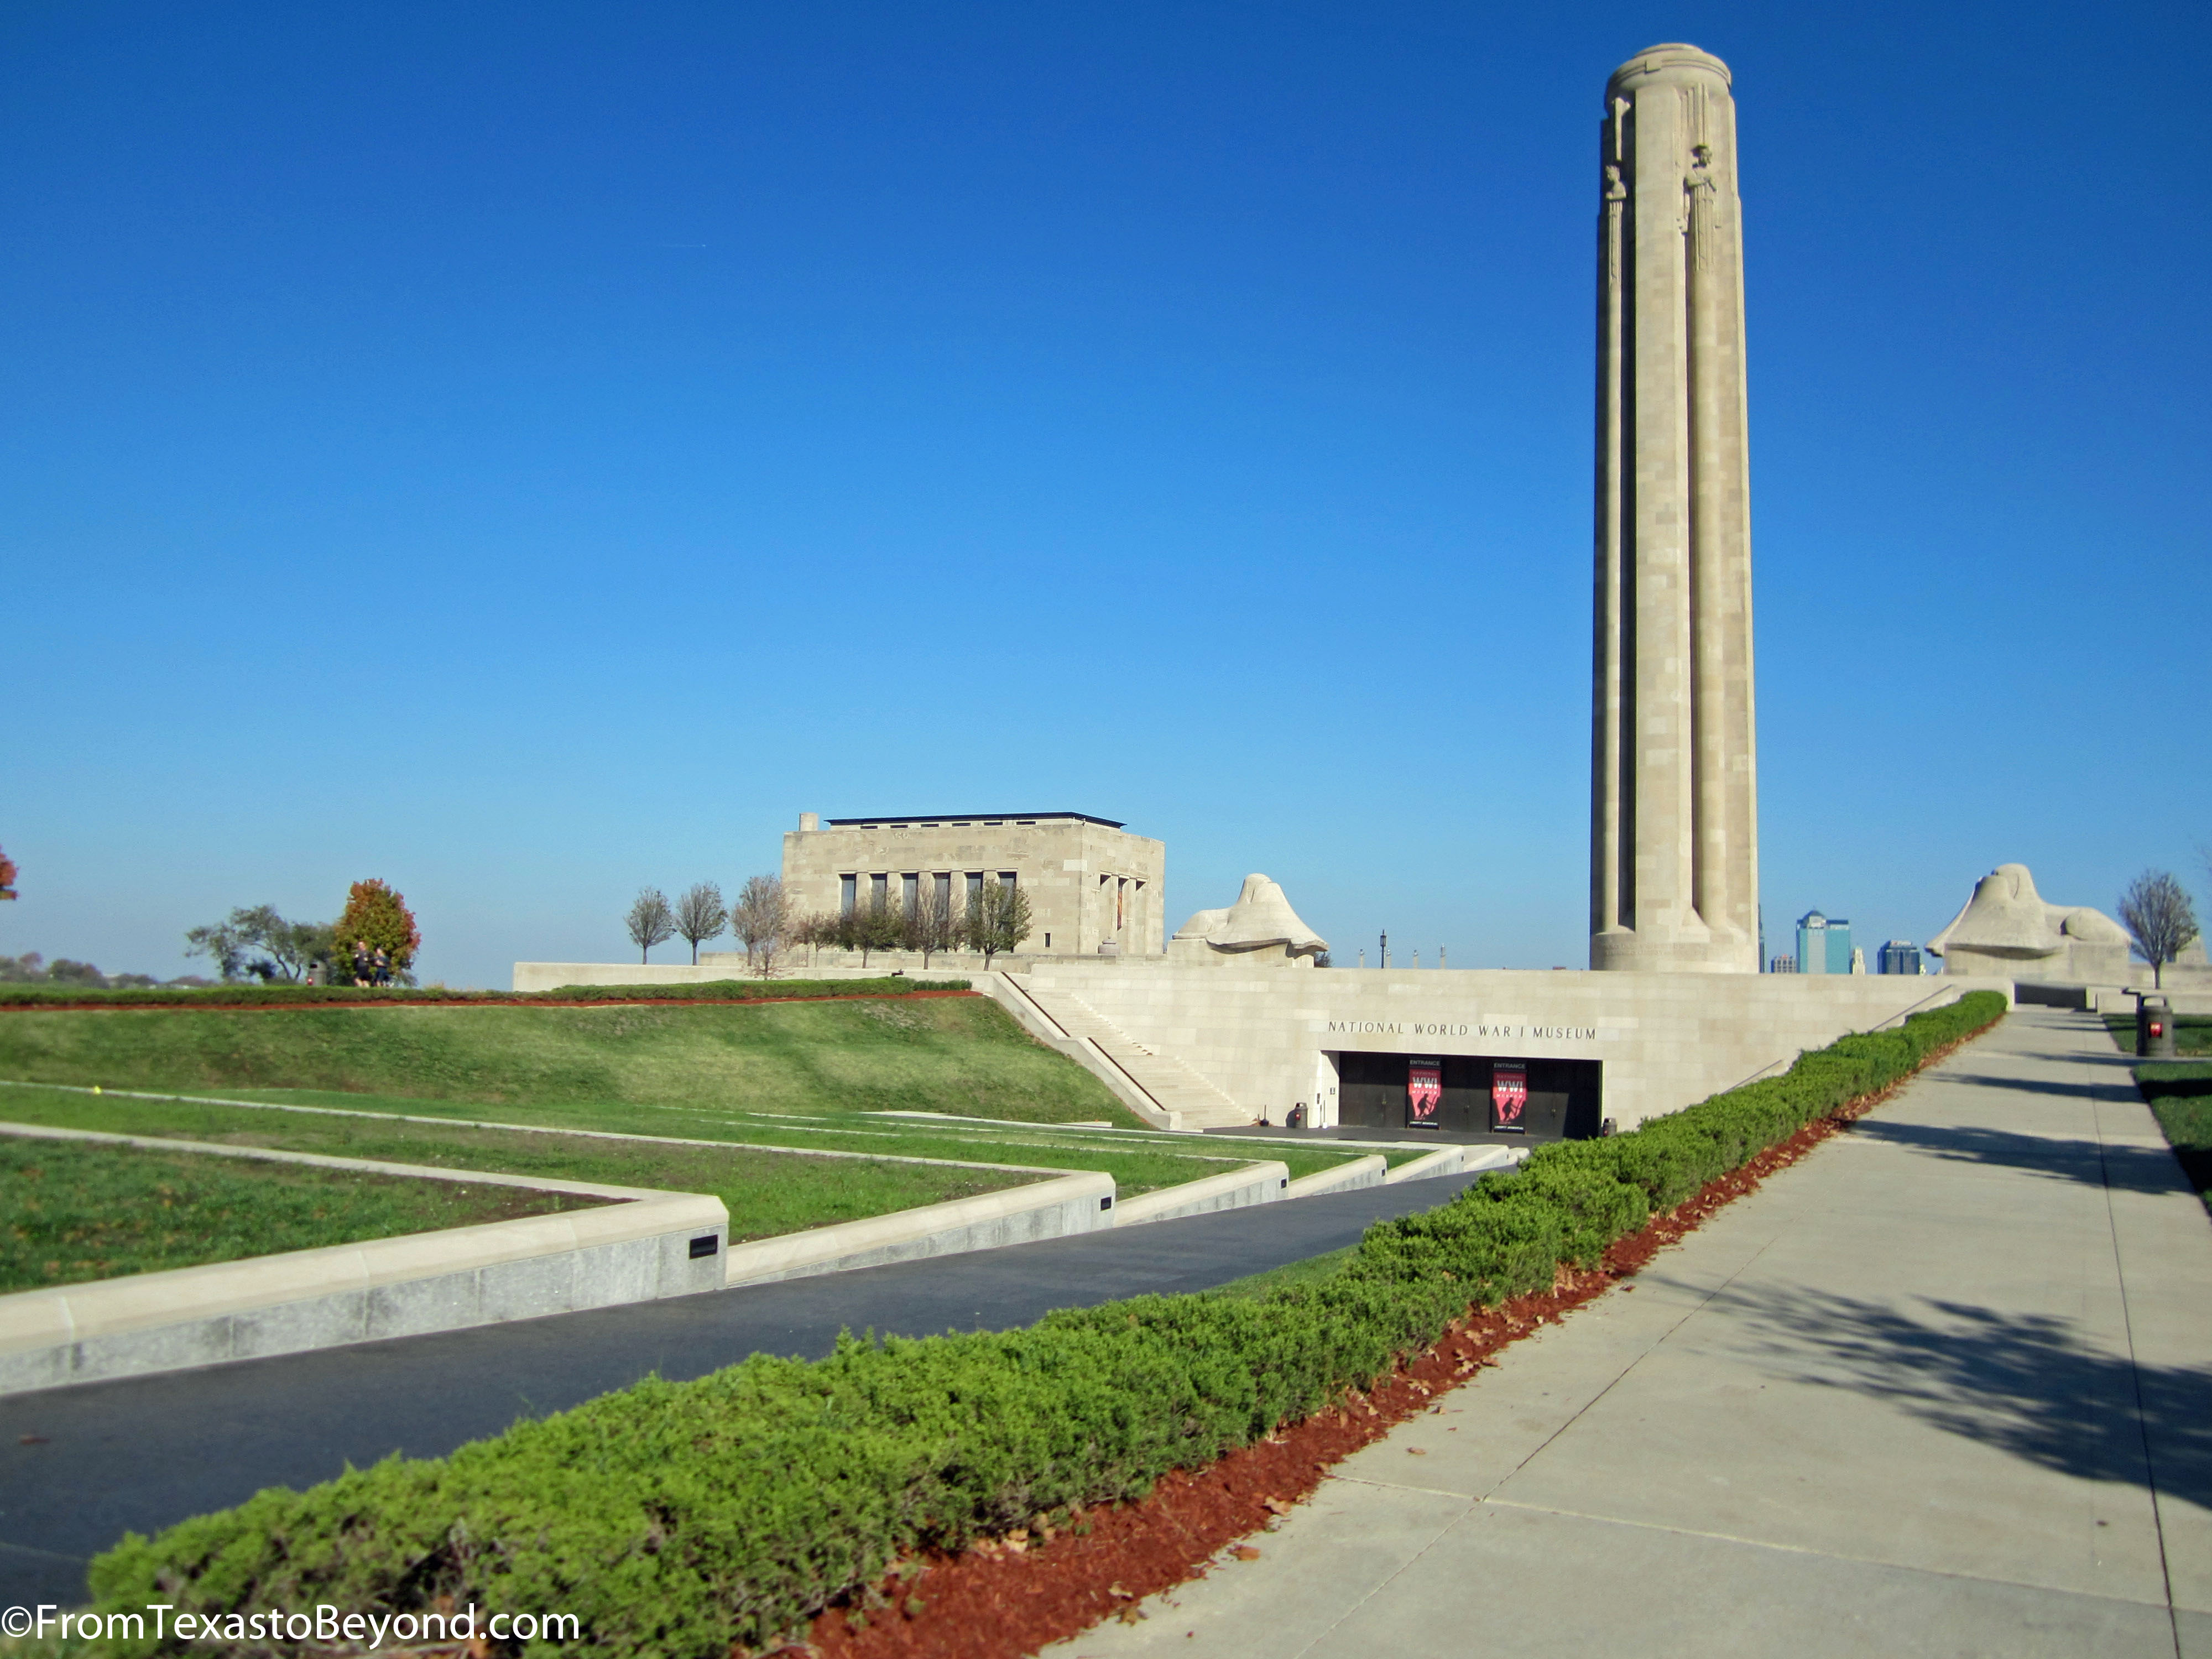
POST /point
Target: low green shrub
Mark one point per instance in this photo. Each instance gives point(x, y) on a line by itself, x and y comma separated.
point(678, 1518)
point(278, 996)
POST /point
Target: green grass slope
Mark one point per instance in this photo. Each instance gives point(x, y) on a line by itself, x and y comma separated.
point(955, 1054)
point(79, 1211)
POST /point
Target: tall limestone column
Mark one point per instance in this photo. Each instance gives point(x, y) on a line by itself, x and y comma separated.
point(1674, 782)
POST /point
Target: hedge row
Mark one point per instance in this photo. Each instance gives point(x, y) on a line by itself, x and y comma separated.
point(265, 996)
point(679, 1518)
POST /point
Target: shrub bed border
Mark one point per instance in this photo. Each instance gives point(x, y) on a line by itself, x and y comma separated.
point(729, 1512)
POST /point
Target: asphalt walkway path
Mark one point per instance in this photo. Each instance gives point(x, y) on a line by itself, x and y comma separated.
point(80, 1466)
point(1944, 1387)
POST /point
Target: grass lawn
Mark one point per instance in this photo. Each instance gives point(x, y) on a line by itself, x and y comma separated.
point(2180, 1096)
point(767, 1193)
point(2193, 1033)
point(80, 1210)
point(814, 1076)
point(958, 1055)
point(1290, 1276)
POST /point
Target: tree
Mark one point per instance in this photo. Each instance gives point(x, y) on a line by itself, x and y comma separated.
point(814, 931)
point(933, 924)
point(377, 916)
point(7, 877)
point(258, 943)
point(997, 921)
point(701, 914)
point(2156, 911)
point(761, 919)
point(221, 943)
point(650, 922)
point(876, 926)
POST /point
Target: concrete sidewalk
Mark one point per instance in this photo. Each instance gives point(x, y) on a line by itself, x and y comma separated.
point(1944, 1387)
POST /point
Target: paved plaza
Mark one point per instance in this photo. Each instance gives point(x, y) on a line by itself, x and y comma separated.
point(1943, 1388)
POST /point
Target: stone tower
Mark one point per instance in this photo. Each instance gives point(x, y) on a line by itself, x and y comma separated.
point(1674, 779)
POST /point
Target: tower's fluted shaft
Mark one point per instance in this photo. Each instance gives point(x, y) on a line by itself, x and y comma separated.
point(1674, 795)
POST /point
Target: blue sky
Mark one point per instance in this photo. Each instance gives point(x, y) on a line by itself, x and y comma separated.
point(527, 452)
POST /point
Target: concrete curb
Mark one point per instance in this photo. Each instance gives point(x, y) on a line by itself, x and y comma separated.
point(1078, 1203)
point(1373, 1170)
point(1456, 1160)
point(642, 1247)
point(1232, 1189)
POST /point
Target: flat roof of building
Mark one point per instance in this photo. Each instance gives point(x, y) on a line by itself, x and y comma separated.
point(960, 819)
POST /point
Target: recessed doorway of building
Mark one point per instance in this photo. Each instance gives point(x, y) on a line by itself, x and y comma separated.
point(1499, 1098)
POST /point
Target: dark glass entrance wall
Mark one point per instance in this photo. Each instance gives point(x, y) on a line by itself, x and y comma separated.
point(1565, 1097)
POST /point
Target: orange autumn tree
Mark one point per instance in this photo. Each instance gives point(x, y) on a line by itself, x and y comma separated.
point(375, 912)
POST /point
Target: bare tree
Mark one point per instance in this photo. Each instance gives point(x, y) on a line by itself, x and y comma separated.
point(650, 922)
point(2156, 911)
point(814, 931)
point(933, 923)
point(701, 914)
point(997, 921)
point(761, 919)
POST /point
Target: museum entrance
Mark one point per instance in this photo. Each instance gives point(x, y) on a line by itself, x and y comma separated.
point(1490, 1098)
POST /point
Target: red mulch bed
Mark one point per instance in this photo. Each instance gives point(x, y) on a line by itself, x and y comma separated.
point(455, 1002)
point(1007, 1597)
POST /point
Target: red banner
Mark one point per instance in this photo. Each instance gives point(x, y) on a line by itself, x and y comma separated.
point(1425, 1094)
point(1509, 1096)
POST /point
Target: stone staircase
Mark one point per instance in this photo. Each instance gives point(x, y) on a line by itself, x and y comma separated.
point(1187, 1100)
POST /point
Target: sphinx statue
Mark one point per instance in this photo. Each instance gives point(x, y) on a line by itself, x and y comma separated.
point(1260, 928)
point(2007, 929)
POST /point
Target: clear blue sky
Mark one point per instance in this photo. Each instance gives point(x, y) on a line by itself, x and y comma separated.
point(524, 451)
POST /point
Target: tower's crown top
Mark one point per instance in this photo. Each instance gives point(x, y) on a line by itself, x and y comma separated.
point(1670, 62)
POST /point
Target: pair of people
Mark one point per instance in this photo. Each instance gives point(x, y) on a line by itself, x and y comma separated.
point(371, 967)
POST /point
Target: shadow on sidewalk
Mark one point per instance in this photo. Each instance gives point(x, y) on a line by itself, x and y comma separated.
point(2121, 1087)
point(2129, 1169)
point(2026, 1384)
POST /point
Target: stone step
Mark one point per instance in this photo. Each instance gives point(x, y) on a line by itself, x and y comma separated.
point(1197, 1103)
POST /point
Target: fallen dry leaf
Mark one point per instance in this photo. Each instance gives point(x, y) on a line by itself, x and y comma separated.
point(1245, 1552)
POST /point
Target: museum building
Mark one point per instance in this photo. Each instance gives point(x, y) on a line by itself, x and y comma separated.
point(1094, 889)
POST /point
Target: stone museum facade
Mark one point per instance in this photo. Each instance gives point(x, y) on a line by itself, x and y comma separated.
point(1094, 889)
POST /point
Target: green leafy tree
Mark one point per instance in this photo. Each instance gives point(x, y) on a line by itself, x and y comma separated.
point(998, 919)
point(376, 915)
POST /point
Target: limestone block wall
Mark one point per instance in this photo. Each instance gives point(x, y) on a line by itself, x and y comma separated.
point(1667, 1040)
point(1089, 882)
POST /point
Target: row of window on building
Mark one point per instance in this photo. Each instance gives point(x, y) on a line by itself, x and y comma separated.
point(909, 888)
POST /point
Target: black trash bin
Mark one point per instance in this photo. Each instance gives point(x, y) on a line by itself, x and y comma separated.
point(2154, 1029)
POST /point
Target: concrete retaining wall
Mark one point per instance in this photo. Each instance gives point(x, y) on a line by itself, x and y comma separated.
point(636, 1248)
point(1456, 1160)
point(1232, 1189)
point(1369, 1171)
point(1050, 1209)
